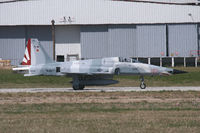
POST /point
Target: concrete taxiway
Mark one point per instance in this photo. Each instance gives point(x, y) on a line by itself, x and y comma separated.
point(98, 89)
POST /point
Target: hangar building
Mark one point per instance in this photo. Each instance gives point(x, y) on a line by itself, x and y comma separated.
point(99, 28)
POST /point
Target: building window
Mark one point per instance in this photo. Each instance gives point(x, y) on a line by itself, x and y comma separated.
point(60, 58)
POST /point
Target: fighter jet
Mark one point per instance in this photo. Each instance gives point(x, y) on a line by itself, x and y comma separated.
point(86, 72)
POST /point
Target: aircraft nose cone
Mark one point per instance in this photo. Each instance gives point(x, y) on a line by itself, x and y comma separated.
point(175, 71)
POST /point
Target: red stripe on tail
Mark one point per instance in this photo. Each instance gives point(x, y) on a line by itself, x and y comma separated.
point(28, 60)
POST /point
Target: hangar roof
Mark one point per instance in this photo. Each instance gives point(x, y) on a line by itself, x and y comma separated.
point(86, 12)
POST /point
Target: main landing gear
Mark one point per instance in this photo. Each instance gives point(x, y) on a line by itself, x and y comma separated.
point(76, 84)
point(78, 87)
point(142, 84)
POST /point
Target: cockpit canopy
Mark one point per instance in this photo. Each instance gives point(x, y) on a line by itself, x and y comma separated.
point(124, 59)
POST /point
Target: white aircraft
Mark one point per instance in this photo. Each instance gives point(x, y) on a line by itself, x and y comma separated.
point(86, 72)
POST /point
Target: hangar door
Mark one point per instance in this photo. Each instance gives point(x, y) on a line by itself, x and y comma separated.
point(151, 41)
point(12, 44)
point(67, 43)
point(183, 40)
point(108, 41)
point(122, 40)
point(94, 41)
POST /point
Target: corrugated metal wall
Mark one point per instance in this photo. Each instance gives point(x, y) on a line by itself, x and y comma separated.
point(107, 40)
point(12, 44)
point(94, 41)
point(122, 40)
point(182, 39)
point(139, 40)
point(151, 41)
point(13, 41)
point(89, 12)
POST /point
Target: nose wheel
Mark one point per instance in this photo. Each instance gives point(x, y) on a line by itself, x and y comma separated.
point(142, 84)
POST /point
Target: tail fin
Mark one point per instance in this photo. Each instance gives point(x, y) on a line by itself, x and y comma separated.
point(27, 55)
point(35, 54)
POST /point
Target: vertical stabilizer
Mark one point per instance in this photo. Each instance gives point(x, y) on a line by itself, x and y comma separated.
point(35, 54)
point(38, 53)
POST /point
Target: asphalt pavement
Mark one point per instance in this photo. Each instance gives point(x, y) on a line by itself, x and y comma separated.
point(98, 89)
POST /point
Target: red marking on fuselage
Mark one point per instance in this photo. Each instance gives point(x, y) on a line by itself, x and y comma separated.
point(154, 71)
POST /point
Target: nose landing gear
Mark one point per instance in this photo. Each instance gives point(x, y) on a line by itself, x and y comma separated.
point(142, 84)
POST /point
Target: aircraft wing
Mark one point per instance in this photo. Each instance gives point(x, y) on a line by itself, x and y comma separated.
point(28, 75)
point(93, 73)
point(93, 79)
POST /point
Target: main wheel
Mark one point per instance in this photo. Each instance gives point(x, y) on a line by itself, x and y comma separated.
point(81, 87)
point(78, 87)
point(142, 85)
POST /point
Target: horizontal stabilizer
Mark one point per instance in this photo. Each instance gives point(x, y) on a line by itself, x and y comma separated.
point(21, 69)
point(28, 75)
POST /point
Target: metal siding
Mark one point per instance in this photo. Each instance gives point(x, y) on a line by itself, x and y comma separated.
point(94, 41)
point(44, 35)
point(12, 44)
point(41, 12)
point(151, 40)
point(182, 39)
point(122, 40)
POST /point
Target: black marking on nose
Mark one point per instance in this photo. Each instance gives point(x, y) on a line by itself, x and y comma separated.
point(175, 71)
